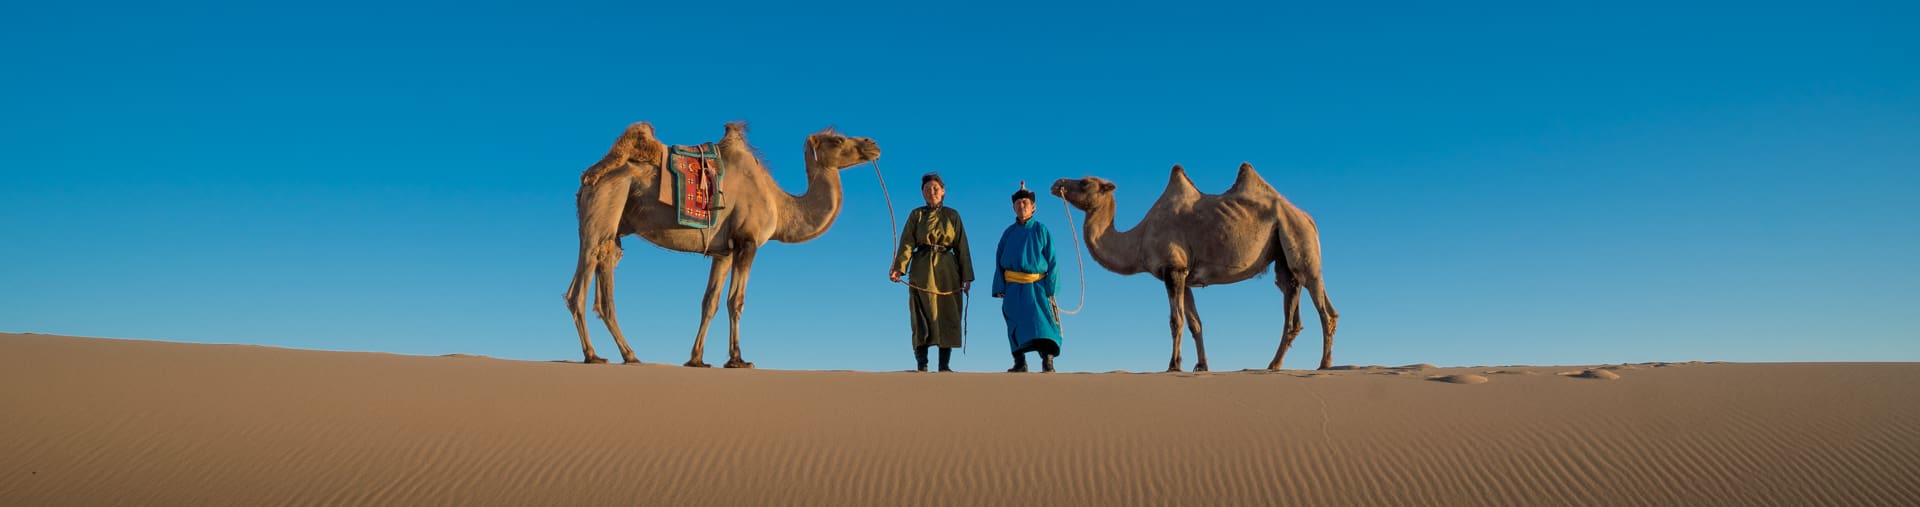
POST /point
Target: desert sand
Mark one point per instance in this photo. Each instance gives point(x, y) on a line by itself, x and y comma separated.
point(107, 421)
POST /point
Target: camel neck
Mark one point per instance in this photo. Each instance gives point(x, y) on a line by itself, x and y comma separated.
point(1117, 251)
point(807, 216)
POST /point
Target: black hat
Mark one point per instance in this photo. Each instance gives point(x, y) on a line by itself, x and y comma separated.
point(1023, 193)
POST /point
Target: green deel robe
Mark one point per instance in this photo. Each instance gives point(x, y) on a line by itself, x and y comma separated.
point(933, 253)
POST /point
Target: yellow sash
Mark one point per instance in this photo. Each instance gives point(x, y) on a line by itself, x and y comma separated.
point(1018, 277)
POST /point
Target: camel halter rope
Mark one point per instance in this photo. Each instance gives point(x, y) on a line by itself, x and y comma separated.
point(1076, 260)
point(893, 228)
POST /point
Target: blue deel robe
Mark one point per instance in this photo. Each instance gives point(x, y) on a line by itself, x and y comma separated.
point(1027, 247)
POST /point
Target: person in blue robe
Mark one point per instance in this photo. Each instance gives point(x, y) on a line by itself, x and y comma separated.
point(1024, 280)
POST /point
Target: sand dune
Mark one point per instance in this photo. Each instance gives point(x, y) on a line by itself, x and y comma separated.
point(97, 421)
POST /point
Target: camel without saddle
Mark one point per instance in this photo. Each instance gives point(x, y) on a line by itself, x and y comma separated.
point(618, 196)
point(1189, 239)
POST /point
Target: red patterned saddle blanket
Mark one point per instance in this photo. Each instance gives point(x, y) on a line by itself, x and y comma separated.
point(691, 183)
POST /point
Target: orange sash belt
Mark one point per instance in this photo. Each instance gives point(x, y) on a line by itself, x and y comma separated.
point(1019, 277)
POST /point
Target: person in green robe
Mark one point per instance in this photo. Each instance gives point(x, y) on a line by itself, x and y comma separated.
point(933, 255)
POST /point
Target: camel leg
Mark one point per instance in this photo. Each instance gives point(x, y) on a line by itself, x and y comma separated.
point(716, 277)
point(1329, 320)
point(1176, 292)
point(737, 301)
point(603, 304)
point(1290, 325)
point(599, 208)
point(1193, 326)
point(576, 297)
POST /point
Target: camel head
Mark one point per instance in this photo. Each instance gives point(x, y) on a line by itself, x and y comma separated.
point(1089, 193)
point(830, 149)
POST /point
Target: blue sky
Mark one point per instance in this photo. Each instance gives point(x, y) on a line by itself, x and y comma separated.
point(1496, 183)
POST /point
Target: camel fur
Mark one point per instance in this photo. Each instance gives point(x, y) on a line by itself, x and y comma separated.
point(618, 197)
point(1190, 239)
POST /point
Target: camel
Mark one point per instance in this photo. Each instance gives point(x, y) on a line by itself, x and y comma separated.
point(618, 197)
point(1189, 239)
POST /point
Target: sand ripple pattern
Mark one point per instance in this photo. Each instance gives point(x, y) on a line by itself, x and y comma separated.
point(90, 421)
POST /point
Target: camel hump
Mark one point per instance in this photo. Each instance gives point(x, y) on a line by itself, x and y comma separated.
point(1178, 183)
point(637, 138)
point(1179, 194)
point(1249, 180)
point(635, 145)
point(735, 136)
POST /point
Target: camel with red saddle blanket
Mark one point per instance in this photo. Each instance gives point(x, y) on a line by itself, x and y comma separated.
point(622, 194)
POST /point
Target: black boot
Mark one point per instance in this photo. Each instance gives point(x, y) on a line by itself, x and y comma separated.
point(1046, 363)
point(1019, 364)
point(920, 358)
point(946, 357)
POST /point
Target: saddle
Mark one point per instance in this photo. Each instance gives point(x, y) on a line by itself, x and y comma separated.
point(691, 183)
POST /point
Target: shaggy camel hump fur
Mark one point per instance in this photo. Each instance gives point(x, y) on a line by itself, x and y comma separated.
point(1192, 239)
point(635, 144)
point(617, 198)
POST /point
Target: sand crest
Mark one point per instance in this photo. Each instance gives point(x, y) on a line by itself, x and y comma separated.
point(1462, 378)
point(1595, 373)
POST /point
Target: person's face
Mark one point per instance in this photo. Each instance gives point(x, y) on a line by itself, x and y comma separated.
point(1023, 209)
point(934, 192)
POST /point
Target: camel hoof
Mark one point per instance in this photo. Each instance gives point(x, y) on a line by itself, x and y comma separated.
point(595, 360)
point(1173, 369)
point(629, 360)
point(696, 364)
point(1200, 367)
point(737, 363)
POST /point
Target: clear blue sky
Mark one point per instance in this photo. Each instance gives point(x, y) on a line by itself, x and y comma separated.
point(1526, 182)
